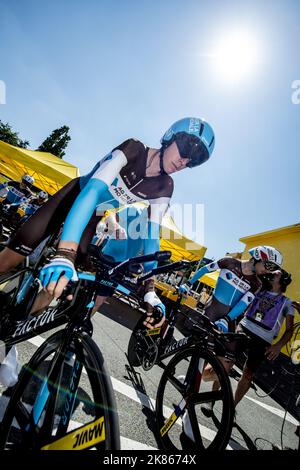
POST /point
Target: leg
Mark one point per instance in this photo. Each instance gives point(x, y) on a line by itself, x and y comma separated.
point(9, 259)
point(256, 353)
point(209, 374)
point(41, 302)
point(100, 299)
point(243, 385)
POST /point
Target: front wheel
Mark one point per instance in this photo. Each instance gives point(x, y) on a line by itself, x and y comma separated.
point(189, 413)
point(73, 410)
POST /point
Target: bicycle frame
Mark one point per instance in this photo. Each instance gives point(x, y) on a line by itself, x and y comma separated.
point(77, 314)
point(168, 348)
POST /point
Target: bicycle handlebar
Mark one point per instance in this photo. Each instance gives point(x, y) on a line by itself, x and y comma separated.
point(164, 269)
point(157, 256)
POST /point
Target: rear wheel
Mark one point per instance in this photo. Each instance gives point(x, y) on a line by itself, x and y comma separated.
point(74, 411)
point(140, 344)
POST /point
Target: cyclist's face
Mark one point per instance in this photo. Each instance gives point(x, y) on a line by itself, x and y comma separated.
point(172, 159)
point(261, 269)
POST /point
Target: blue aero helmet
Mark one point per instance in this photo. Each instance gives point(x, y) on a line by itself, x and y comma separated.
point(194, 137)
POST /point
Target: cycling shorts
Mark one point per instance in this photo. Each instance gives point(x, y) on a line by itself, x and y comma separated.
point(48, 219)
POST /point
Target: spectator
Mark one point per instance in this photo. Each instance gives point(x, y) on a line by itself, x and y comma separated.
point(262, 322)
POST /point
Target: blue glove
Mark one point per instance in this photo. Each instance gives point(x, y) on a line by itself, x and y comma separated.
point(222, 324)
point(153, 299)
point(184, 288)
point(57, 267)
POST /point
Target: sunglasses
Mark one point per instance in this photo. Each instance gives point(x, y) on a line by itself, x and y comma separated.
point(191, 147)
point(270, 266)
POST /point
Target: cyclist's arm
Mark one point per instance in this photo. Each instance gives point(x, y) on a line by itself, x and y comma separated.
point(208, 268)
point(19, 202)
point(89, 198)
point(241, 306)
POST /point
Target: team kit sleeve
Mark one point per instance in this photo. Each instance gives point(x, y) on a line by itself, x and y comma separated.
point(91, 195)
point(208, 268)
point(244, 302)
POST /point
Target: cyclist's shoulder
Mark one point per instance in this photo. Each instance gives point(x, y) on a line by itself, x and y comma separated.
point(228, 262)
point(131, 148)
point(13, 183)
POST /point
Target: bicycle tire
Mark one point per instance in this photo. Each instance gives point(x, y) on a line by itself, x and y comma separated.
point(100, 384)
point(222, 436)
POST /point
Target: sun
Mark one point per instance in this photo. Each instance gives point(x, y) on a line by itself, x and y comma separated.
point(236, 55)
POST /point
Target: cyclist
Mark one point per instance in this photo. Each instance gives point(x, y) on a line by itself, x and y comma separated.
point(17, 190)
point(16, 193)
point(36, 202)
point(131, 172)
point(237, 285)
point(40, 199)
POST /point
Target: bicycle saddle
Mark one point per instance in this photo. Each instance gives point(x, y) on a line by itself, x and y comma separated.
point(237, 337)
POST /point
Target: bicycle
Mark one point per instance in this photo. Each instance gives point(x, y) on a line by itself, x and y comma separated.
point(181, 389)
point(68, 370)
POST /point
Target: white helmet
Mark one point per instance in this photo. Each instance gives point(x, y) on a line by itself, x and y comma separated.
point(268, 255)
point(28, 180)
point(43, 195)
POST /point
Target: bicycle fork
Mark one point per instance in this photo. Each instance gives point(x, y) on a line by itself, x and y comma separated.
point(52, 390)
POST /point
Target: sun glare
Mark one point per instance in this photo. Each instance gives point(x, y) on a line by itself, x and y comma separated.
point(236, 55)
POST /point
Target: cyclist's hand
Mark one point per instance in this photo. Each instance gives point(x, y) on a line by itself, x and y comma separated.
point(184, 288)
point(152, 321)
point(153, 300)
point(55, 275)
point(114, 229)
point(272, 352)
point(222, 325)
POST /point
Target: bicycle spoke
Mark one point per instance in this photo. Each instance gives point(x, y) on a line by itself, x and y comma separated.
point(207, 397)
point(179, 386)
point(198, 428)
point(195, 426)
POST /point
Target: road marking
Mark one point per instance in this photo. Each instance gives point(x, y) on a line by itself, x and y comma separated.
point(275, 411)
point(129, 444)
point(148, 402)
point(37, 341)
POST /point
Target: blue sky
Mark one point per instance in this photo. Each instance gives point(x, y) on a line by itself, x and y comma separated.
point(117, 69)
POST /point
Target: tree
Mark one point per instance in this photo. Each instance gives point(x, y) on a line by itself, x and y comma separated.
point(57, 142)
point(10, 137)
